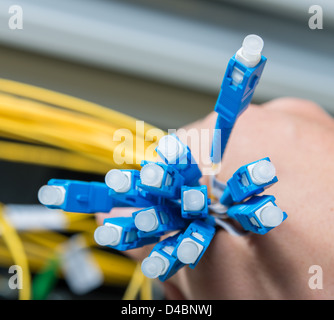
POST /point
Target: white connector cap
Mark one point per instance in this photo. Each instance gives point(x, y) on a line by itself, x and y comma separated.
point(271, 216)
point(170, 148)
point(107, 235)
point(151, 175)
point(252, 46)
point(118, 181)
point(188, 252)
point(152, 267)
point(263, 172)
point(250, 52)
point(193, 200)
point(51, 195)
point(146, 220)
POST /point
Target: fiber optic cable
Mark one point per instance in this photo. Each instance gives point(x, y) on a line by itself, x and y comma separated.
point(70, 102)
point(86, 141)
point(15, 246)
point(47, 156)
point(240, 80)
point(146, 289)
point(135, 284)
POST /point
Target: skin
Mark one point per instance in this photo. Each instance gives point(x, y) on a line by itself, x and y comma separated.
point(298, 136)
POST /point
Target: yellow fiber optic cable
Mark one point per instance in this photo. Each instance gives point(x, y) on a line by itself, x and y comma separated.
point(146, 289)
point(41, 245)
point(16, 249)
point(13, 136)
point(117, 277)
point(135, 284)
point(75, 134)
point(42, 155)
point(64, 133)
point(35, 111)
point(66, 137)
point(72, 218)
point(95, 135)
point(31, 113)
point(88, 131)
point(69, 102)
point(118, 268)
point(60, 138)
point(6, 260)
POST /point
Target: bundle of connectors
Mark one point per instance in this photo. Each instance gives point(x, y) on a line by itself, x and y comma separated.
point(177, 213)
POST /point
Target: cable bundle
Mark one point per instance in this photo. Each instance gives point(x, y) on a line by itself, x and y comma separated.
point(43, 127)
point(55, 129)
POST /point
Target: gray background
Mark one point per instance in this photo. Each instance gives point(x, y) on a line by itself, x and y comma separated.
point(163, 61)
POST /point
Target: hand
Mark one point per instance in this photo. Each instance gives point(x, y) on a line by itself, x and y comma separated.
point(298, 136)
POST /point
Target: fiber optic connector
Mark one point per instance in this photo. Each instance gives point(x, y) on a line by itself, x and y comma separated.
point(194, 202)
point(178, 155)
point(240, 80)
point(161, 263)
point(167, 195)
point(123, 187)
point(194, 241)
point(77, 196)
point(259, 214)
point(160, 179)
point(158, 220)
point(249, 180)
point(120, 233)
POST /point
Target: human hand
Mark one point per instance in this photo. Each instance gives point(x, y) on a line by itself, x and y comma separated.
point(298, 137)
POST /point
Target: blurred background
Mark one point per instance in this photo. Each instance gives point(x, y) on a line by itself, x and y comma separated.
point(157, 61)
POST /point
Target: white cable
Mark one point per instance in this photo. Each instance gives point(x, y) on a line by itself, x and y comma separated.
point(216, 187)
point(218, 208)
point(229, 228)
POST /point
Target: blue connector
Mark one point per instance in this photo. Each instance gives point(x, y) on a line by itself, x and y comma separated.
point(161, 263)
point(120, 233)
point(77, 196)
point(249, 180)
point(177, 154)
point(259, 214)
point(194, 202)
point(241, 78)
point(158, 220)
point(123, 187)
point(194, 241)
point(169, 198)
point(160, 180)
